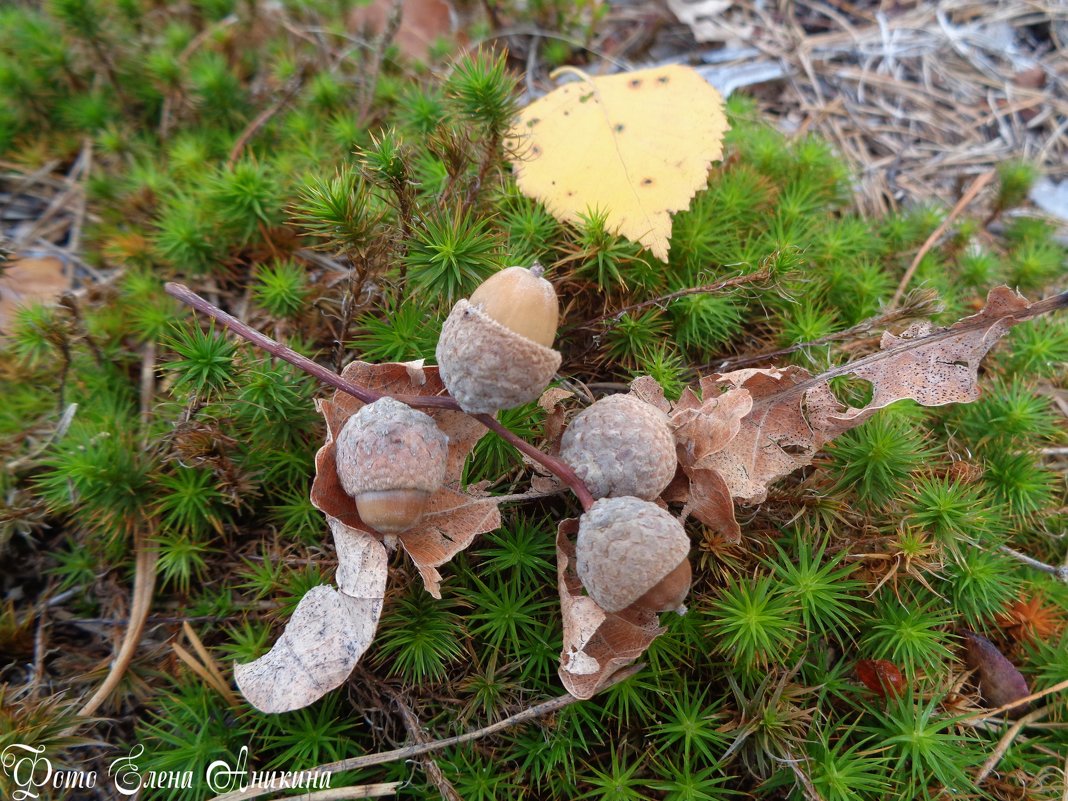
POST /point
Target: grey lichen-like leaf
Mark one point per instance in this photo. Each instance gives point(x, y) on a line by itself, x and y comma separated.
point(328, 633)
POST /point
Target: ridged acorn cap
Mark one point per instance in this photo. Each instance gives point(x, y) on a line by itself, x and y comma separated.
point(486, 366)
point(621, 446)
point(388, 445)
point(625, 546)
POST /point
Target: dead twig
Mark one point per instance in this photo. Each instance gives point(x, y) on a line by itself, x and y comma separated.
point(973, 190)
point(1006, 741)
point(140, 603)
point(412, 751)
point(761, 275)
point(1061, 572)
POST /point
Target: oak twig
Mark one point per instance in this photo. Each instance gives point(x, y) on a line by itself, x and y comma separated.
point(332, 379)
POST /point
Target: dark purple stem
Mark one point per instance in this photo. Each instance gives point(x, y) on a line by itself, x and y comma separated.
point(330, 378)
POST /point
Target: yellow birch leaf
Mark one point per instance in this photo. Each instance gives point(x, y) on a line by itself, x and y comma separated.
point(636, 146)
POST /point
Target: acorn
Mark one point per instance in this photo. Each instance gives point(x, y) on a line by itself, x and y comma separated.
point(630, 553)
point(495, 350)
point(391, 458)
point(621, 446)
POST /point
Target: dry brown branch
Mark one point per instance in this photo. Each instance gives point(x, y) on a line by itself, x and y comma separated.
point(1006, 741)
point(415, 730)
point(140, 603)
point(970, 195)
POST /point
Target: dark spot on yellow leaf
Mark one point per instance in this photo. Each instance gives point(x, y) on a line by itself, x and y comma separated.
point(635, 83)
point(536, 150)
point(663, 79)
point(567, 113)
point(619, 127)
point(533, 122)
point(570, 193)
point(647, 181)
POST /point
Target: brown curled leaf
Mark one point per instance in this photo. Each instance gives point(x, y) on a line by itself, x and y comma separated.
point(552, 401)
point(648, 389)
point(454, 517)
point(999, 680)
point(597, 643)
point(704, 422)
point(709, 500)
point(452, 521)
point(794, 413)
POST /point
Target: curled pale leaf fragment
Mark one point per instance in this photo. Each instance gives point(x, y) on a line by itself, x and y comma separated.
point(707, 421)
point(636, 146)
point(597, 644)
point(321, 644)
point(453, 518)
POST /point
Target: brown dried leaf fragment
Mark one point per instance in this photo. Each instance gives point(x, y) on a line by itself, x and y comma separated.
point(597, 643)
point(704, 423)
point(794, 414)
point(453, 518)
point(552, 401)
point(451, 523)
point(999, 680)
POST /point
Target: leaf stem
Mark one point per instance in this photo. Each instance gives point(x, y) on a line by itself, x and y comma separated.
point(332, 379)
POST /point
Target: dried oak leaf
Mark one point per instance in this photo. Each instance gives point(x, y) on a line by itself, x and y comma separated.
point(794, 413)
point(999, 680)
point(597, 644)
point(454, 517)
point(552, 401)
point(327, 634)
point(704, 421)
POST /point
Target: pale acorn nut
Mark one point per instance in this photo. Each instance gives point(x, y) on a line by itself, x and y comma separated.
point(486, 357)
point(391, 458)
point(621, 446)
point(630, 552)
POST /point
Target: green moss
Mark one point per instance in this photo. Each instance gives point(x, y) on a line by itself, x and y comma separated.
point(344, 223)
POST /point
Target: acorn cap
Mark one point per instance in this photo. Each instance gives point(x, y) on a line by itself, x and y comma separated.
point(486, 366)
point(388, 445)
point(621, 445)
point(625, 546)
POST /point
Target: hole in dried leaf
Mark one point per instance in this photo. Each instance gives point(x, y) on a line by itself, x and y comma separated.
point(852, 391)
point(792, 448)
